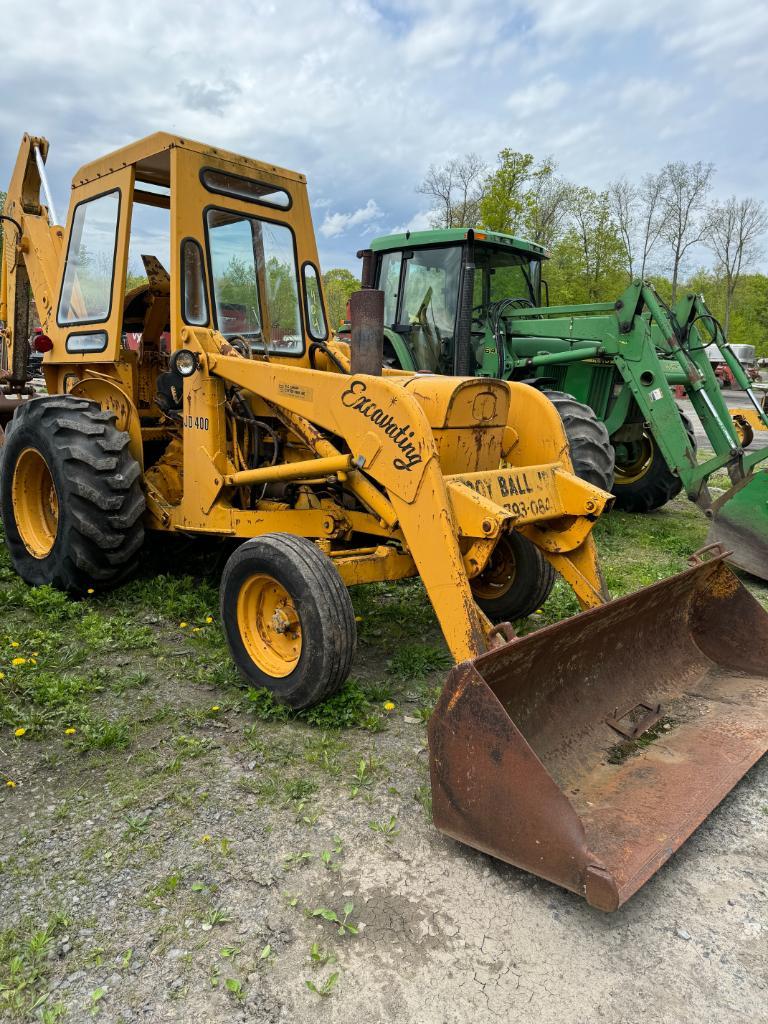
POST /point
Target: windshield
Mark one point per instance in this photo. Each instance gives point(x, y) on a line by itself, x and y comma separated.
point(255, 285)
point(501, 274)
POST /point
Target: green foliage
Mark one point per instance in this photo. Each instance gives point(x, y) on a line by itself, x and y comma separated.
point(338, 285)
point(25, 962)
point(349, 708)
point(588, 263)
point(415, 661)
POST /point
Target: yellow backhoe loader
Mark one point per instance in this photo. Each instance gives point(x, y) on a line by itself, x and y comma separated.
point(206, 399)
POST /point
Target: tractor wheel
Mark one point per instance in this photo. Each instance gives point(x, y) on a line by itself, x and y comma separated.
point(70, 495)
point(644, 481)
point(516, 582)
point(590, 447)
point(288, 618)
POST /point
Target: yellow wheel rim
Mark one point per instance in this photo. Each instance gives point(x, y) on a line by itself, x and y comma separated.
point(35, 503)
point(628, 472)
point(499, 574)
point(269, 625)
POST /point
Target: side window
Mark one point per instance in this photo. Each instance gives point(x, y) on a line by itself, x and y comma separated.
point(314, 304)
point(86, 294)
point(195, 302)
point(389, 282)
point(255, 282)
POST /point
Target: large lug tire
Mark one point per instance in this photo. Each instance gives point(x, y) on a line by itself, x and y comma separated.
point(70, 495)
point(590, 447)
point(516, 582)
point(288, 618)
point(646, 482)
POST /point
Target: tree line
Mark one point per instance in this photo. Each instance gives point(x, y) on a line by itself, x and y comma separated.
point(599, 241)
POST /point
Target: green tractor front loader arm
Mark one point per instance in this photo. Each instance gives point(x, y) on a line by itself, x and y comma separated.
point(653, 349)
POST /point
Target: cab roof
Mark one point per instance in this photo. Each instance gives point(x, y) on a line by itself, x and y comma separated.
point(151, 157)
point(448, 236)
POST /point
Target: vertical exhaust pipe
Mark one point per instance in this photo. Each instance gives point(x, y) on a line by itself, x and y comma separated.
point(366, 310)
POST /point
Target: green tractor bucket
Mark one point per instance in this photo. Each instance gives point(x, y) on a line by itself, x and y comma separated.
point(740, 524)
point(587, 752)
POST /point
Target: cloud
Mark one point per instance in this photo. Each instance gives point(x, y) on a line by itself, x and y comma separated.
point(337, 223)
point(363, 95)
point(538, 97)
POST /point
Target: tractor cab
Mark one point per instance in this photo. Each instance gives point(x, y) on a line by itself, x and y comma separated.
point(446, 293)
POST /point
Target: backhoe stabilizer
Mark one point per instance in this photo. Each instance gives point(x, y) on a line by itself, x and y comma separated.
point(587, 752)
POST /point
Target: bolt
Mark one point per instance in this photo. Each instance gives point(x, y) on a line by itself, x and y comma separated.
point(487, 526)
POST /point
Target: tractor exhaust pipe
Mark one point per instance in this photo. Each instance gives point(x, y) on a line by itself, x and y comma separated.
point(366, 311)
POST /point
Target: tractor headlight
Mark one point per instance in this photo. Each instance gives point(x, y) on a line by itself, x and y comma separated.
point(184, 362)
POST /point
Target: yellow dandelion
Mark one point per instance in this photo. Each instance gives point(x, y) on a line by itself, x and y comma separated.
point(33, 661)
point(215, 707)
point(388, 705)
point(183, 625)
point(90, 590)
point(18, 661)
point(14, 643)
point(10, 783)
point(205, 839)
point(20, 731)
point(209, 619)
point(196, 629)
point(70, 731)
point(2, 675)
point(358, 618)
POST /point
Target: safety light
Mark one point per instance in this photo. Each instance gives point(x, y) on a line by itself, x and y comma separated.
point(184, 362)
point(42, 343)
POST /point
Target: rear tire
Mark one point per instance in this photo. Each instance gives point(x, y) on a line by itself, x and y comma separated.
point(648, 483)
point(70, 495)
point(516, 582)
point(288, 618)
point(591, 450)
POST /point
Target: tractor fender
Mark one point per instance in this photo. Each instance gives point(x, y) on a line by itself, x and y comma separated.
point(111, 397)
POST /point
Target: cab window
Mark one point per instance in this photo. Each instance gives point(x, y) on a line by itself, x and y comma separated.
point(86, 293)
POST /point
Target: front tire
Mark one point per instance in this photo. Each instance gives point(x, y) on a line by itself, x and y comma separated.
point(516, 582)
point(591, 451)
point(70, 495)
point(644, 481)
point(288, 618)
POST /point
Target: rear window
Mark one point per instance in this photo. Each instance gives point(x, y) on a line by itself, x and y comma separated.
point(249, 189)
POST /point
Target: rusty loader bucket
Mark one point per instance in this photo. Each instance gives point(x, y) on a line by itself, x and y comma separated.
point(588, 752)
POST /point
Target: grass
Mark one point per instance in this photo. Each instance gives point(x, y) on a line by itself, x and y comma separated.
point(25, 964)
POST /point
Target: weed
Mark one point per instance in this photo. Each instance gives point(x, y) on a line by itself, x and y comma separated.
point(348, 708)
point(389, 829)
point(363, 777)
point(95, 1001)
point(217, 916)
point(320, 956)
point(296, 860)
point(621, 751)
point(25, 963)
point(104, 734)
point(234, 987)
point(135, 827)
point(423, 795)
point(416, 661)
point(345, 927)
point(326, 987)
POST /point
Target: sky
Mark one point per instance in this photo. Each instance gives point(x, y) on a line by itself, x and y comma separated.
point(363, 95)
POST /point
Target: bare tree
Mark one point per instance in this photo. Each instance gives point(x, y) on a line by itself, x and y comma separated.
point(650, 198)
point(623, 203)
point(548, 204)
point(455, 188)
point(735, 229)
point(683, 208)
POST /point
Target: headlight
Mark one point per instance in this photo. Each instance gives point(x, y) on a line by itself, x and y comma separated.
point(184, 362)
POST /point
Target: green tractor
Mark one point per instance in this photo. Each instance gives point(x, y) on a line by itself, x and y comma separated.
point(469, 302)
